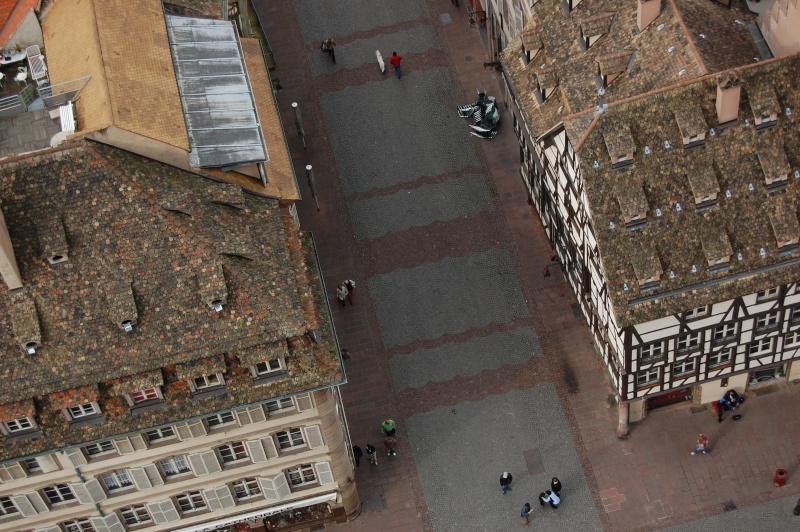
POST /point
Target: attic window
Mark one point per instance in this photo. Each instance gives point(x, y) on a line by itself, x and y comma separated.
point(52, 237)
point(175, 201)
point(611, 66)
point(546, 80)
point(593, 28)
point(619, 144)
point(705, 187)
point(569, 5)
point(775, 166)
point(786, 228)
point(632, 202)
point(531, 45)
point(692, 125)
point(31, 348)
point(646, 266)
point(716, 246)
point(765, 106)
point(217, 305)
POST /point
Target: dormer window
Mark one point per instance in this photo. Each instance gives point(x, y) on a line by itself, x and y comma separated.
point(611, 66)
point(211, 385)
point(546, 82)
point(569, 5)
point(619, 143)
point(692, 125)
point(531, 45)
point(121, 306)
point(269, 370)
point(786, 229)
point(632, 202)
point(716, 246)
point(21, 428)
point(593, 28)
point(775, 165)
point(764, 104)
point(31, 347)
point(145, 400)
point(83, 415)
point(646, 266)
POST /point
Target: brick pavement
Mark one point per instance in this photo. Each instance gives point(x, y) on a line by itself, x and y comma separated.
point(648, 481)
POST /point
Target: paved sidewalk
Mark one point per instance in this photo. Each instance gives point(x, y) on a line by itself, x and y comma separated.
point(453, 320)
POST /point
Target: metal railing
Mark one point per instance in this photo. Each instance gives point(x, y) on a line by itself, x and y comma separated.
point(62, 92)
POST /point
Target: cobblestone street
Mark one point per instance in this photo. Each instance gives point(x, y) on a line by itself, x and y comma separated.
point(484, 364)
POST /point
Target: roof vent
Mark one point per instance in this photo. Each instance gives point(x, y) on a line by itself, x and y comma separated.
point(228, 194)
point(648, 11)
point(217, 305)
point(52, 238)
point(729, 89)
point(121, 305)
point(31, 348)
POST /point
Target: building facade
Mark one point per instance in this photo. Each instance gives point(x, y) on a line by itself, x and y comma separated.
point(659, 164)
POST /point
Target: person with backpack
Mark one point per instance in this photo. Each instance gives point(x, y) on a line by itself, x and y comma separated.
point(505, 482)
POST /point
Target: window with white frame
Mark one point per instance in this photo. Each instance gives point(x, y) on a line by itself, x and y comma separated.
point(720, 358)
point(99, 448)
point(767, 321)
point(792, 339)
point(84, 410)
point(698, 312)
point(174, 465)
point(689, 341)
point(650, 352)
point(761, 346)
point(116, 480)
point(288, 439)
point(58, 493)
point(278, 405)
point(301, 475)
point(246, 488)
point(769, 293)
point(159, 435)
point(232, 452)
point(270, 367)
point(20, 425)
point(683, 367)
point(7, 507)
point(32, 465)
point(208, 381)
point(135, 515)
point(148, 394)
point(79, 525)
point(191, 501)
point(724, 332)
point(217, 420)
point(648, 376)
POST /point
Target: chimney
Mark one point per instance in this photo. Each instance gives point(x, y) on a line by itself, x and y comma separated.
point(729, 89)
point(647, 13)
point(8, 263)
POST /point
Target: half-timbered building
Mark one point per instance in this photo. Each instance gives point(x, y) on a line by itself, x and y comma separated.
point(659, 148)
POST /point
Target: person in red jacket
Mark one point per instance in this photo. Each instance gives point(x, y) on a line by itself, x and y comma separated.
point(395, 62)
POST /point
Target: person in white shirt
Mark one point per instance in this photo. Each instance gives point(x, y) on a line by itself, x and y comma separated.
point(549, 496)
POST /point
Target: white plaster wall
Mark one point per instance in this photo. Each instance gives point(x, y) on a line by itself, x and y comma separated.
point(713, 390)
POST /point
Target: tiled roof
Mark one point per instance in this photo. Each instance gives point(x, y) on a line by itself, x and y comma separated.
point(118, 232)
point(700, 37)
point(748, 220)
point(123, 45)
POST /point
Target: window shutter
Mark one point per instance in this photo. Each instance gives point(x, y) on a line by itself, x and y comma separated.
point(268, 489)
point(38, 502)
point(130, 444)
point(77, 457)
point(89, 492)
point(253, 414)
point(24, 505)
point(282, 486)
point(225, 496)
point(109, 523)
point(204, 463)
point(324, 473)
point(212, 499)
point(139, 477)
point(269, 447)
point(163, 511)
point(48, 463)
point(256, 451)
point(314, 437)
point(12, 471)
point(197, 428)
point(153, 475)
point(304, 402)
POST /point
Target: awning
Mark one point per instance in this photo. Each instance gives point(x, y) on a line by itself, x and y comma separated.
point(212, 526)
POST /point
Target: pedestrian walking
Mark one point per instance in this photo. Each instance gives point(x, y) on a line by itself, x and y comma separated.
point(388, 426)
point(345, 354)
point(505, 481)
point(549, 497)
point(341, 294)
point(526, 514)
point(327, 46)
point(373, 455)
point(357, 454)
point(555, 486)
point(395, 62)
point(390, 442)
point(351, 289)
point(702, 445)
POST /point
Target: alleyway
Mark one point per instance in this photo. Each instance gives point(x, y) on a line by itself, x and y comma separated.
point(455, 333)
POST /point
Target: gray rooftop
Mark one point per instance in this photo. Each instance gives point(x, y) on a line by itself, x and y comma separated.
point(218, 103)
